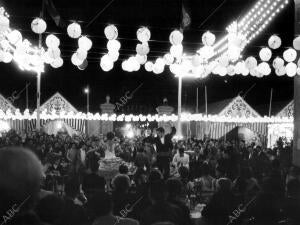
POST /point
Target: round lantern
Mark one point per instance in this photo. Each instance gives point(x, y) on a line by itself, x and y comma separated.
point(208, 38)
point(74, 30)
point(47, 58)
point(176, 51)
point(54, 53)
point(274, 42)
point(113, 45)
point(114, 55)
point(7, 57)
point(142, 49)
point(254, 72)
point(265, 54)
point(278, 62)
point(75, 60)
point(142, 59)
point(14, 37)
point(230, 70)
point(52, 41)
point(296, 43)
point(58, 62)
point(106, 63)
point(251, 63)
point(291, 69)
point(85, 43)
point(290, 55)
point(143, 34)
point(169, 59)
point(38, 26)
point(83, 65)
point(148, 66)
point(176, 37)
point(4, 23)
point(280, 71)
point(81, 54)
point(264, 68)
point(111, 32)
point(133, 63)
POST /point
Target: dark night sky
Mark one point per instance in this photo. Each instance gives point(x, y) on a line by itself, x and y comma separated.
point(161, 16)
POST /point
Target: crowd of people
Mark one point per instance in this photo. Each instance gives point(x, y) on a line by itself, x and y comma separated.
point(55, 180)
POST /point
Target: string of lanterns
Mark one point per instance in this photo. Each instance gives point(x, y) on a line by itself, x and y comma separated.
point(186, 117)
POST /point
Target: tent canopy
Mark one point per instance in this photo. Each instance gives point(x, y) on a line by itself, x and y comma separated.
point(287, 111)
point(5, 104)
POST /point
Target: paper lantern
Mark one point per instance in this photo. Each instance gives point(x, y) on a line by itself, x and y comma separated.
point(176, 51)
point(47, 58)
point(111, 32)
point(169, 59)
point(113, 45)
point(148, 66)
point(142, 49)
point(222, 71)
point(176, 37)
point(208, 38)
point(157, 69)
point(54, 53)
point(291, 69)
point(14, 37)
point(133, 63)
point(290, 55)
point(85, 43)
point(74, 30)
point(125, 65)
point(52, 41)
point(4, 23)
point(264, 68)
point(142, 59)
point(7, 57)
point(58, 62)
point(296, 43)
point(251, 63)
point(75, 60)
point(106, 63)
point(83, 65)
point(230, 70)
point(280, 71)
point(274, 42)
point(38, 26)
point(81, 54)
point(114, 55)
point(143, 34)
point(278, 62)
point(254, 72)
point(265, 54)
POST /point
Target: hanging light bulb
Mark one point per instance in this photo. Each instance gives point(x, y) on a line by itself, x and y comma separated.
point(38, 26)
point(74, 30)
point(85, 43)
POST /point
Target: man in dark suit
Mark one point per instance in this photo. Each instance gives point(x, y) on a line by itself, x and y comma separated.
point(164, 148)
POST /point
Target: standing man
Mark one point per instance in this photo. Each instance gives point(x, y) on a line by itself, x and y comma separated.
point(163, 148)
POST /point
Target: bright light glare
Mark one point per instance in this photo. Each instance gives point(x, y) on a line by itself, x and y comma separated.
point(86, 90)
point(130, 134)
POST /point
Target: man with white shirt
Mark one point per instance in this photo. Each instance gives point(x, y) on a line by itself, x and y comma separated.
point(181, 159)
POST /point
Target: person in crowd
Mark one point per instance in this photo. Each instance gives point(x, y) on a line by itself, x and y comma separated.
point(221, 205)
point(181, 159)
point(175, 197)
point(161, 209)
point(100, 209)
point(163, 149)
point(92, 182)
point(123, 169)
point(20, 177)
point(142, 162)
point(292, 202)
point(188, 186)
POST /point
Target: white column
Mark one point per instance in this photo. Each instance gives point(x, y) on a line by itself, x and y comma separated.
point(179, 130)
point(38, 101)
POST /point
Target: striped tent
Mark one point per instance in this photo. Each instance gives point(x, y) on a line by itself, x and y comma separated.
point(236, 107)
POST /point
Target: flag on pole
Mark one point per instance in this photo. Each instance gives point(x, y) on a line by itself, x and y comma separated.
point(52, 11)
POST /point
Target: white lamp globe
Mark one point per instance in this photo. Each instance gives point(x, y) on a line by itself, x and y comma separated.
point(83, 65)
point(222, 71)
point(58, 62)
point(291, 69)
point(111, 32)
point(176, 37)
point(230, 70)
point(160, 62)
point(85, 43)
point(75, 60)
point(4, 24)
point(280, 71)
point(290, 55)
point(143, 34)
point(81, 54)
point(14, 37)
point(264, 68)
point(296, 43)
point(113, 45)
point(74, 30)
point(54, 53)
point(7, 57)
point(169, 59)
point(106, 63)
point(142, 59)
point(125, 65)
point(148, 66)
point(274, 42)
point(114, 55)
point(265, 54)
point(208, 38)
point(142, 49)
point(133, 63)
point(176, 51)
point(46, 58)
point(52, 41)
point(251, 63)
point(38, 26)
point(254, 72)
point(157, 69)
point(278, 62)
